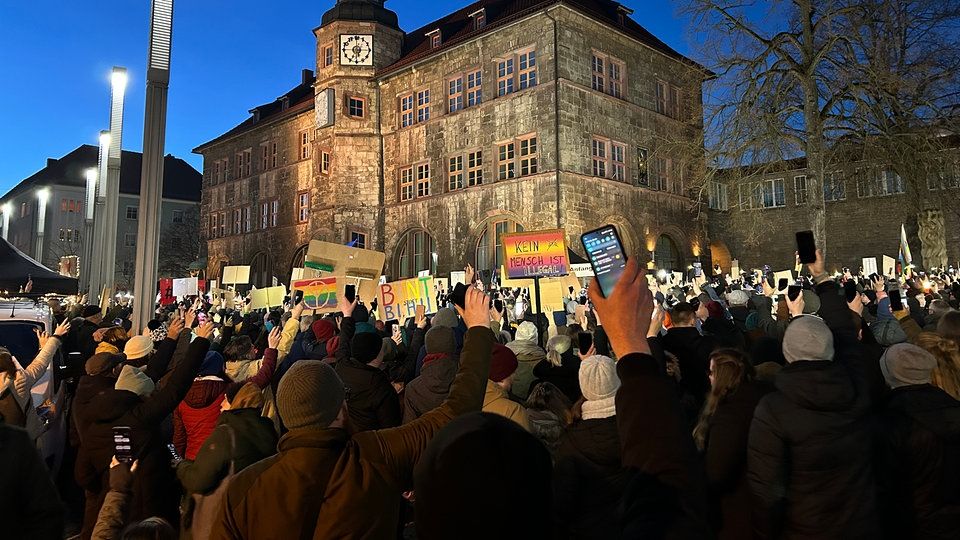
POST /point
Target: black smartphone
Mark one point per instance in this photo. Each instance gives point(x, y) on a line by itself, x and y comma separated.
point(794, 292)
point(459, 295)
point(896, 301)
point(782, 285)
point(498, 305)
point(850, 291)
point(350, 292)
point(806, 247)
point(122, 447)
point(605, 251)
point(297, 296)
point(584, 342)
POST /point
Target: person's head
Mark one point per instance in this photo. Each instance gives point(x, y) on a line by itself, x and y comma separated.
point(138, 349)
point(133, 379)
point(572, 330)
point(938, 308)
point(104, 363)
point(738, 298)
point(683, 315)
point(306, 321)
point(949, 326)
point(240, 348)
point(947, 374)
point(92, 313)
point(808, 338)
point(714, 310)
point(248, 396)
point(214, 364)
point(153, 528)
point(557, 346)
point(323, 329)
point(115, 336)
point(481, 471)
point(527, 331)
point(379, 325)
point(311, 395)
point(445, 317)
point(6, 363)
point(905, 364)
point(547, 397)
point(503, 364)
point(440, 340)
point(365, 347)
point(729, 369)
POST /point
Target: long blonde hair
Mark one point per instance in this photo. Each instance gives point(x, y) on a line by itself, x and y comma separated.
point(556, 347)
point(947, 374)
point(731, 368)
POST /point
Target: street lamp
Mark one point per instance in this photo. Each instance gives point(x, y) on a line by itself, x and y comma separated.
point(43, 195)
point(111, 209)
point(96, 236)
point(6, 209)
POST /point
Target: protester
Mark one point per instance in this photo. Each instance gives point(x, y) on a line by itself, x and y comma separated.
point(427, 391)
point(946, 375)
point(29, 506)
point(526, 348)
point(549, 413)
point(503, 372)
point(560, 367)
point(693, 351)
point(16, 381)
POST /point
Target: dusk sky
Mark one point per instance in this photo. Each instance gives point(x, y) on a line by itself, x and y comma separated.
point(228, 56)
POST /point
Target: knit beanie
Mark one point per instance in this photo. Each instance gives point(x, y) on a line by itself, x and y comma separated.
point(138, 347)
point(715, 310)
point(598, 378)
point(310, 394)
point(102, 363)
point(364, 328)
point(440, 339)
point(738, 298)
point(906, 365)
point(323, 329)
point(89, 311)
point(482, 466)
point(527, 331)
point(445, 317)
point(366, 346)
point(213, 364)
point(361, 314)
point(503, 363)
point(249, 397)
point(133, 379)
point(807, 338)
point(811, 302)
point(888, 332)
point(332, 345)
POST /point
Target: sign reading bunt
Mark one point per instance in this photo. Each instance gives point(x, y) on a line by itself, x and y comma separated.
point(535, 254)
point(399, 299)
point(319, 294)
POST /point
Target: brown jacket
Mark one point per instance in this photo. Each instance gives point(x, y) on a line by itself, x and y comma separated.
point(496, 401)
point(324, 483)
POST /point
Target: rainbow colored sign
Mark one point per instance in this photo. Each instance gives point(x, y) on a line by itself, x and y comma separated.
point(535, 254)
point(318, 293)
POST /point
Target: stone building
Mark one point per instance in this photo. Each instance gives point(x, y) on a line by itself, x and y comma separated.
point(754, 213)
point(505, 115)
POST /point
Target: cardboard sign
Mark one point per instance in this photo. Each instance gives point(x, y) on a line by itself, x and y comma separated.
point(458, 277)
point(869, 266)
point(348, 263)
point(166, 292)
point(440, 284)
point(889, 266)
point(267, 297)
point(236, 275)
point(582, 269)
point(184, 287)
point(735, 269)
point(535, 254)
point(319, 294)
point(785, 274)
point(399, 299)
point(216, 295)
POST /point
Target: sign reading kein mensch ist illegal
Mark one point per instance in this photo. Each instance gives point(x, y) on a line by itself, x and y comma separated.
point(535, 254)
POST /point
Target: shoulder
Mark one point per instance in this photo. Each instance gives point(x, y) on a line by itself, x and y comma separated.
point(244, 481)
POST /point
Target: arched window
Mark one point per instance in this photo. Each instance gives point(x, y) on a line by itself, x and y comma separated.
point(667, 255)
point(489, 255)
point(260, 273)
point(299, 256)
point(416, 252)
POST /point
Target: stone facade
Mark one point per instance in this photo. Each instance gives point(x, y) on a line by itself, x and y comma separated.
point(368, 189)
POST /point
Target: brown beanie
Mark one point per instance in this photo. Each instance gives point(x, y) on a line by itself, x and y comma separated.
point(310, 394)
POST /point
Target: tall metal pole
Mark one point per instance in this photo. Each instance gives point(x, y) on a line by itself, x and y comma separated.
point(95, 279)
point(151, 176)
point(87, 239)
point(43, 195)
point(108, 257)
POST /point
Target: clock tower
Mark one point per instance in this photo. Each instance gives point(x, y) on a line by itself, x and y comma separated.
point(355, 39)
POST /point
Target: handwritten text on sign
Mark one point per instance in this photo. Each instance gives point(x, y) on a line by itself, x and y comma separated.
point(536, 253)
point(318, 293)
point(399, 299)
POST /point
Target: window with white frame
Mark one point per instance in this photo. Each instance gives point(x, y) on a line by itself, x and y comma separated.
point(455, 94)
point(455, 174)
point(662, 90)
point(223, 224)
point(618, 162)
point(773, 193)
point(528, 155)
point(133, 212)
point(506, 166)
point(716, 196)
point(800, 189)
point(264, 157)
point(599, 151)
point(505, 76)
point(274, 212)
point(608, 159)
point(213, 226)
point(304, 144)
point(327, 56)
point(274, 154)
point(423, 180)
point(423, 105)
point(406, 110)
point(479, 19)
point(876, 182)
point(436, 39)
point(406, 184)
point(303, 206)
point(834, 187)
point(527, 73)
point(358, 239)
point(474, 94)
point(238, 166)
point(264, 215)
point(247, 159)
point(474, 168)
point(324, 162)
point(599, 81)
point(608, 74)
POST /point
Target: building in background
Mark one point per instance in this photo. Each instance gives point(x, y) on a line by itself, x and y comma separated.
point(180, 243)
point(430, 144)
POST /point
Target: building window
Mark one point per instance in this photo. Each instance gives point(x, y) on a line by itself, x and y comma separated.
point(800, 189)
point(505, 76)
point(129, 267)
point(435, 39)
point(517, 71)
point(474, 96)
point(62, 235)
point(506, 168)
point(406, 184)
point(133, 212)
point(274, 212)
point(608, 74)
point(423, 105)
point(455, 94)
point(716, 196)
point(406, 110)
point(528, 155)
point(358, 239)
point(675, 101)
point(599, 153)
point(304, 144)
point(873, 182)
point(355, 106)
point(178, 216)
point(773, 193)
point(213, 226)
point(223, 224)
point(303, 206)
point(238, 166)
point(264, 158)
point(63, 205)
point(327, 56)
point(475, 168)
point(528, 69)
point(745, 195)
point(660, 171)
point(609, 159)
point(834, 188)
point(479, 19)
point(415, 255)
point(274, 154)
point(264, 215)
point(247, 219)
point(642, 167)
point(423, 180)
point(76, 235)
point(129, 240)
point(247, 155)
point(237, 221)
point(599, 74)
point(618, 162)
point(489, 253)
point(661, 97)
point(324, 162)
point(615, 84)
point(455, 176)
point(944, 176)
point(216, 172)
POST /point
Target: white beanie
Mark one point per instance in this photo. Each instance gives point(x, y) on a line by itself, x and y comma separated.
point(599, 383)
point(527, 331)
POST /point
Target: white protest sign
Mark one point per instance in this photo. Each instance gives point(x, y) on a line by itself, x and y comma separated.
point(869, 266)
point(458, 277)
point(236, 275)
point(581, 269)
point(889, 266)
point(185, 287)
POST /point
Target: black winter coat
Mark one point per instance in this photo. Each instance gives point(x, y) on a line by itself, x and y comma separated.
point(566, 376)
point(920, 472)
point(588, 480)
point(373, 402)
point(29, 506)
point(693, 352)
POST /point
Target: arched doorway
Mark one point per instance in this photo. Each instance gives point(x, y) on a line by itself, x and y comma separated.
point(666, 254)
point(489, 253)
point(720, 255)
point(416, 252)
point(299, 256)
point(260, 273)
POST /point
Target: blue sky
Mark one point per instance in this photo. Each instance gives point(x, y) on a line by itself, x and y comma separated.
point(228, 56)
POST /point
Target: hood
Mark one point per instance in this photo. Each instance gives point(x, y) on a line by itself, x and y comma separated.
point(437, 376)
point(527, 351)
point(929, 406)
point(204, 392)
point(597, 440)
point(817, 385)
point(241, 370)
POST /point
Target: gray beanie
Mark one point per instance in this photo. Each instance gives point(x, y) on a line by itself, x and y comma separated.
point(807, 338)
point(905, 365)
point(310, 394)
point(440, 339)
point(445, 317)
point(888, 332)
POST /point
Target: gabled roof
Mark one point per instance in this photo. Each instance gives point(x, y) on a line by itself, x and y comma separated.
point(458, 26)
point(180, 180)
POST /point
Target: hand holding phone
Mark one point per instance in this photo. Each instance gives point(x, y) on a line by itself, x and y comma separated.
point(607, 257)
point(350, 292)
point(806, 247)
point(122, 446)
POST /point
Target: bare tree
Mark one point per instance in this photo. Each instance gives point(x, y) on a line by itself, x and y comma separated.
point(180, 245)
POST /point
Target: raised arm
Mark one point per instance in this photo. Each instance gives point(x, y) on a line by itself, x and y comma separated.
point(48, 350)
point(158, 364)
point(347, 328)
point(174, 388)
point(265, 374)
point(289, 332)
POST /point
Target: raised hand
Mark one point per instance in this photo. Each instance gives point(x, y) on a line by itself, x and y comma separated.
point(189, 318)
point(627, 312)
point(62, 328)
point(470, 275)
point(591, 352)
point(795, 307)
point(273, 339)
point(175, 327)
point(477, 311)
point(42, 336)
point(346, 306)
point(205, 330)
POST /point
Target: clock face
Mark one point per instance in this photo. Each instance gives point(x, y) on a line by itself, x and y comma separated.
point(356, 49)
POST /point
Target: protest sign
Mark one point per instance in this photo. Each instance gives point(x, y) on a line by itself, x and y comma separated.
point(184, 287)
point(458, 277)
point(166, 292)
point(236, 275)
point(399, 299)
point(441, 284)
point(869, 266)
point(581, 269)
point(783, 274)
point(348, 263)
point(535, 254)
point(319, 294)
point(735, 269)
point(889, 266)
point(267, 297)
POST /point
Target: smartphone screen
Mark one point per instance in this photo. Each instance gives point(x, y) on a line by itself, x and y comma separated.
point(806, 247)
point(297, 296)
point(350, 292)
point(794, 291)
point(584, 342)
point(896, 301)
point(784, 282)
point(122, 448)
point(606, 255)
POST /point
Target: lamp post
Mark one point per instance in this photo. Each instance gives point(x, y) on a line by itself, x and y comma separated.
point(89, 202)
point(43, 195)
point(151, 176)
point(94, 277)
point(108, 255)
point(6, 209)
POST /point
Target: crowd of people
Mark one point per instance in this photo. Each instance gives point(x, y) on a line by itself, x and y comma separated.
point(719, 407)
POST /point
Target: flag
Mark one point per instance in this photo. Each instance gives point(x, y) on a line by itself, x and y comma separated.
point(906, 258)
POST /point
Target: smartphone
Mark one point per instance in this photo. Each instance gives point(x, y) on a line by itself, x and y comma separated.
point(175, 458)
point(782, 285)
point(850, 291)
point(605, 251)
point(584, 342)
point(794, 292)
point(498, 305)
point(896, 301)
point(122, 447)
point(350, 292)
point(806, 247)
point(459, 295)
point(202, 318)
point(297, 296)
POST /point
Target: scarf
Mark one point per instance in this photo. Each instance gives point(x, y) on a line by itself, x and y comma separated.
point(601, 408)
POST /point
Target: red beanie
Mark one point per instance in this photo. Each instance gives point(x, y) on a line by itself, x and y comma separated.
point(715, 310)
point(332, 345)
point(503, 363)
point(323, 329)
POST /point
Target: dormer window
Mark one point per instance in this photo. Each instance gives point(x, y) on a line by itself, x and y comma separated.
point(284, 103)
point(623, 13)
point(479, 19)
point(435, 38)
point(256, 115)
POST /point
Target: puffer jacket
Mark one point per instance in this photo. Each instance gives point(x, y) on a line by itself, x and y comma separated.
point(20, 386)
point(428, 391)
point(496, 401)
